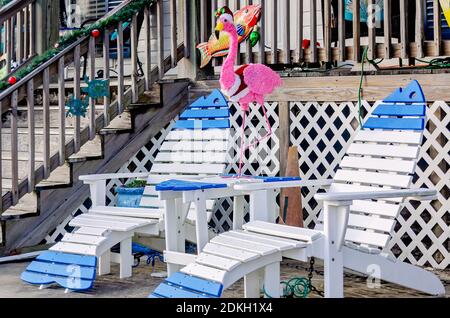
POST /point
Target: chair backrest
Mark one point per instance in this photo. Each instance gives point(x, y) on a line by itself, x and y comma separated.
point(196, 146)
point(383, 155)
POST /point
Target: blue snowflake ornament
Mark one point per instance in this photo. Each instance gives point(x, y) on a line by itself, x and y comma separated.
point(96, 88)
point(76, 107)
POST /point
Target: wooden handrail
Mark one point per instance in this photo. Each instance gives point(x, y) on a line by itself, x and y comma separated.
point(11, 9)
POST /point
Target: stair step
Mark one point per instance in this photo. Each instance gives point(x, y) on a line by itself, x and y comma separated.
point(91, 150)
point(121, 123)
point(26, 207)
point(59, 178)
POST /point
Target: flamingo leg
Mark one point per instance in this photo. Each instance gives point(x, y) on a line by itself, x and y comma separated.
point(241, 157)
point(269, 129)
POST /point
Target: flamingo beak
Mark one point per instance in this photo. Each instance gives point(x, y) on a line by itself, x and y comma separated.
point(219, 28)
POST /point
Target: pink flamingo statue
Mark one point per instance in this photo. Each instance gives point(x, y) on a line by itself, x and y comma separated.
point(247, 84)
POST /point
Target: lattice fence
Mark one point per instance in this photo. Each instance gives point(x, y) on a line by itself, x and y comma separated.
point(323, 131)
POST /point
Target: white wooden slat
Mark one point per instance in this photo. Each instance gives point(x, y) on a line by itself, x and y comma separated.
point(394, 165)
point(203, 135)
point(75, 248)
point(228, 252)
point(362, 237)
point(340, 187)
point(194, 146)
point(384, 179)
point(218, 262)
point(365, 237)
point(285, 231)
point(281, 246)
point(119, 219)
point(401, 137)
point(243, 245)
point(291, 243)
point(205, 272)
point(83, 239)
point(407, 152)
point(377, 208)
point(91, 231)
point(371, 222)
point(203, 168)
point(128, 212)
point(192, 157)
point(113, 226)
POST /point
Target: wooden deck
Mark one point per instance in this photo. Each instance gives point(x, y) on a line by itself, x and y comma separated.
point(141, 284)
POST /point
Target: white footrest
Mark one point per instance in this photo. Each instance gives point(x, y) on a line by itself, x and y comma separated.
point(290, 232)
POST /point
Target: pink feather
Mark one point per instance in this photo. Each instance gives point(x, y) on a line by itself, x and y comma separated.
point(261, 80)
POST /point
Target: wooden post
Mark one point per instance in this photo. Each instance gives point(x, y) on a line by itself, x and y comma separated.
point(47, 22)
point(294, 215)
point(189, 67)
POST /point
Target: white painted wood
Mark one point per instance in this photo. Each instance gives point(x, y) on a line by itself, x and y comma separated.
point(394, 165)
point(377, 178)
point(104, 263)
point(371, 222)
point(192, 157)
point(335, 222)
point(407, 152)
point(111, 225)
point(126, 258)
point(205, 272)
point(401, 137)
point(365, 237)
point(289, 242)
point(285, 231)
point(272, 280)
point(75, 248)
point(201, 218)
point(218, 262)
point(377, 208)
point(394, 271)
point(262, 205)
point(340, 188)
point(247, 237)
point(179, 258)
point(199, 135)
point(150, 202)
point(91, 231)
point(243, 245)
point(194, 146)
point(257, 186)
point(119, 219)
point(128, 212)
point(171, 233)
point(112, 176)
point(83, 239)
point(98, 192)
point(238, 212)
point(252, 282)
point(203, 168)
point(229, 252)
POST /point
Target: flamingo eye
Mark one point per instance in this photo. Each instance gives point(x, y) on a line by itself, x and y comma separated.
point(246, 11)
point(225, 20)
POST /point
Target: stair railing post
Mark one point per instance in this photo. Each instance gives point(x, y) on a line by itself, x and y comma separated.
point(76, 95)
point(106, 74)
point(148, 49)
point(14, 149)
point(31, 135)
point(62, 111)
point(134, 59)
point(120, 68)
point(92, 126)
point(46, 132)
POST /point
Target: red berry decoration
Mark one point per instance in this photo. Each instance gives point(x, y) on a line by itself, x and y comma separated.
point(95, 33)
point(12, 80)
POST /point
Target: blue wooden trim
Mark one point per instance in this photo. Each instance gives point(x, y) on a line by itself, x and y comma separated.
point(63, 270)
point(202, 124)
point(180, 185)
point(411, 94)
point(66, 282)
point(205, 113)
point(196, 284)
point(400, 110)
point(215, 99)
point(66, 258)
point(166, 291)
point(395, 123)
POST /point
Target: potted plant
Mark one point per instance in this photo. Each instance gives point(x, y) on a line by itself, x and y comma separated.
point(130, 194)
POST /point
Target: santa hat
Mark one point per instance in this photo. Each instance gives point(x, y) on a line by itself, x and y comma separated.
point(225, 11)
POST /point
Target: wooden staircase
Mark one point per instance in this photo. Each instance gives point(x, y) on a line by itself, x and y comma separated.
point(52, 200)
point(43, 153)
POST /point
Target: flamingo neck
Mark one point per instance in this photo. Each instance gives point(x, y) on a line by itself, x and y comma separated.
point(227, 76)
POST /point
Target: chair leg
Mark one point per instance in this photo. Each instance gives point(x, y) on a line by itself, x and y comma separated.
point(104, 264)
point(126, 258)
point(252, 284)
point(272, 280)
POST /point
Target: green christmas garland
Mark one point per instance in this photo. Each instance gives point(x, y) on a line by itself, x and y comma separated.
point(4, 3)
point(122, 15)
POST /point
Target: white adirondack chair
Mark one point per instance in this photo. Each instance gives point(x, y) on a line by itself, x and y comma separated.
point(356, 223)
point(195, 148)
